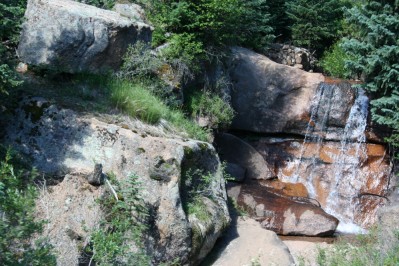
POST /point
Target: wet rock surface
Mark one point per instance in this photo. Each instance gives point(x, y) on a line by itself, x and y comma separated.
point(285, 215)
point(352, 183)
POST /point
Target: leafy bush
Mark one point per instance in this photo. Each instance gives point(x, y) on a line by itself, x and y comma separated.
point(333, 62)
point(196, 185)
point(17, 222)
point(139, 62)
point(124, 224)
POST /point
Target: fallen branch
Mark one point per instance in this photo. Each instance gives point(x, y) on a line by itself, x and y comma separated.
point(112, 189)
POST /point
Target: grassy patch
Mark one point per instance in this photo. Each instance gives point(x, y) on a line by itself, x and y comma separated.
point(374, 248)
point(137, 101)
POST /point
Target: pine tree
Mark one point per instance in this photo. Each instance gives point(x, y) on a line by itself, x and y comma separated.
point(315, 23)
point(374, 53)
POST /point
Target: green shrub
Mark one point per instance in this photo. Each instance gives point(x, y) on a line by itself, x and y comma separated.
point(204, 104)
point(333, 62)
point(139, 62)
point(123, 225)
point(105, 4)
point(17, 221)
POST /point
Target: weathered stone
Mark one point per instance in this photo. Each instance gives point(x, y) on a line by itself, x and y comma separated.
point(61, 141)
point(237, 151)
point(286, 215)
point(253, 246)
point(72, 37)
point(269, 97)
point(97, 177)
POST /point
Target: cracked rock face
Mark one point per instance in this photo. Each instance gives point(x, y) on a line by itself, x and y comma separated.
point(73, 37)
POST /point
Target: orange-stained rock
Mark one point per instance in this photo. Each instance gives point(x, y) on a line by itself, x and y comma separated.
point(339, 178)
point(286, 215)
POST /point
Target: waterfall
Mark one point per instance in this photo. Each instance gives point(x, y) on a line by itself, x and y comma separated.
point(320, 110)
point(349, 164)
point(345, 179)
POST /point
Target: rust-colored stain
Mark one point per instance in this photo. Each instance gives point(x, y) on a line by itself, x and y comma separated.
point(286, 188)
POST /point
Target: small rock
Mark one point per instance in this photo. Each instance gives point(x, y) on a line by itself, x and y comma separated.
point(21, 68)
point(97, 177)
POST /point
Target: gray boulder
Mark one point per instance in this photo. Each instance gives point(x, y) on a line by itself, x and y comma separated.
point(181, 180)
point(73, 37)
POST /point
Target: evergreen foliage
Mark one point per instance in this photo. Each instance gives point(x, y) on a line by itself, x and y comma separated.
point(374, 54)
point(315, 24)
point(17, 223)
point(196, 26)
point(11, 14)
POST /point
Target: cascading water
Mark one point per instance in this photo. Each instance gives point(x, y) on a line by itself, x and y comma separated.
point(321, 106)
point(346, 178)
point(351, 156)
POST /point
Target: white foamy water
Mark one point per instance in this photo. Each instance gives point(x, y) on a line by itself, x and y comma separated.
point(346, 178)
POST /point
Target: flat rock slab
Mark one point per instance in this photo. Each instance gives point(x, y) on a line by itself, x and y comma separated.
point(73, 37)
point(252, 245)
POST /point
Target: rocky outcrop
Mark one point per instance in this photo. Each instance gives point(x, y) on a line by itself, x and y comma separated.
point(312, 131)
point(175, 174)
point(285, 215)
point(269, 97)
point(68, 36)
point(291, 56)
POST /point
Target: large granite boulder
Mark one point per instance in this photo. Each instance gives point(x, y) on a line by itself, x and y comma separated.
point(177, 175)
point(285, 215)
point(73, 37)
point(269, 97)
